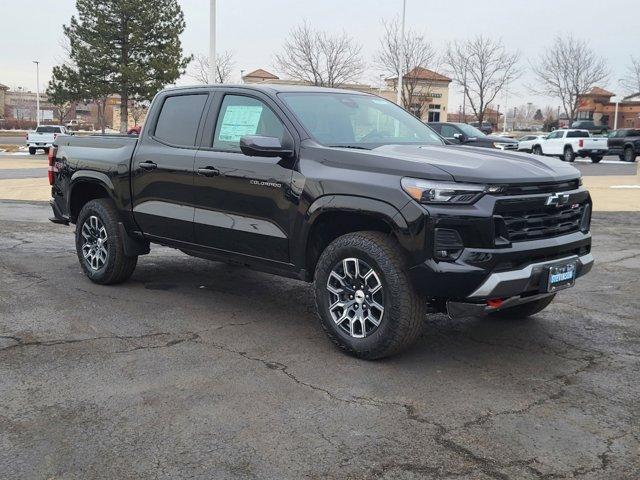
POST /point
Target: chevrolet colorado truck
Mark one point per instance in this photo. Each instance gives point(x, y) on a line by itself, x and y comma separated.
point(335, 187)
point(567, 144)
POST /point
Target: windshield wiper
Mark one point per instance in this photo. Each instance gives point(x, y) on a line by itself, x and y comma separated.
point(349, 146)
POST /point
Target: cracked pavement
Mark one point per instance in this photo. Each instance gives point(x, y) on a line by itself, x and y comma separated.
point(196, 369)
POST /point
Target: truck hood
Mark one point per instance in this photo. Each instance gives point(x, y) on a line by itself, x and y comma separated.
point(480, 165)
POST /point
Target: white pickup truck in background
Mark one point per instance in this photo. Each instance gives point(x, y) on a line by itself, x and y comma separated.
point(570, 143)
point(43, 136)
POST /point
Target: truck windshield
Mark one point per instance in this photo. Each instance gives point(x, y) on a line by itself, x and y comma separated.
point(357, 121)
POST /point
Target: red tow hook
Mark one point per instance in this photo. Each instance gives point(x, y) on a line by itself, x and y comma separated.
point(494, 303)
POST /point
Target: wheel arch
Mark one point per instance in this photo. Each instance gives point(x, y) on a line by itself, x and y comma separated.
point(86, 186)
point(334, 215)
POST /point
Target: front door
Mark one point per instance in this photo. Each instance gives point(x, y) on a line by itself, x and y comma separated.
point(162, 169)
point(554, 143)
point(243, 204)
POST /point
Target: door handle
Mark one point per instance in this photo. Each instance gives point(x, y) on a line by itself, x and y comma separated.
point(208, 172)
point(148, 165)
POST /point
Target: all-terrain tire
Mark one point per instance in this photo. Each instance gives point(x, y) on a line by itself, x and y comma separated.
point(404, 309)
point(117, 267)
point(523, 311)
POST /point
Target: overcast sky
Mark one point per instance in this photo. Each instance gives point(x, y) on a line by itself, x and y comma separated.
point(255, 29)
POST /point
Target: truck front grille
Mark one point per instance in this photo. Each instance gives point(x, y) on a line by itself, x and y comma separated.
point(544, 223)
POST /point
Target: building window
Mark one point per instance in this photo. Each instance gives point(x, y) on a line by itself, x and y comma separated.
point(585, 115)
point(434, 116)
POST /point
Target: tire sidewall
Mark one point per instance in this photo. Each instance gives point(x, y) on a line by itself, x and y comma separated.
point(570, 157)
point(96, 207)
point(389, 324)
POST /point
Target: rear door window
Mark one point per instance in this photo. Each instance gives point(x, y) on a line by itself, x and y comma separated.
point(179, 119)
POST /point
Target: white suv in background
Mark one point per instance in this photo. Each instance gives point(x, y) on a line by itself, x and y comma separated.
point(525, 144)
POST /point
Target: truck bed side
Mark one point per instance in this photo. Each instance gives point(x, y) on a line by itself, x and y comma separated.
point(93, 164)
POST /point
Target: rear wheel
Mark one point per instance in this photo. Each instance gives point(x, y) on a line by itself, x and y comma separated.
point(365, 300)
point(99, 244)
point(32, 151)
point(596, 158)
point(629, 155)
point(523, 311)
point(569, 155)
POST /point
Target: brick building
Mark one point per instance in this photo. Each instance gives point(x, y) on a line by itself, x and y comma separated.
point(597, 106)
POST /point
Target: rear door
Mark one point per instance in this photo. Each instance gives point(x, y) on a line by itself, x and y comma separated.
point(244, 204)
point(162, 167)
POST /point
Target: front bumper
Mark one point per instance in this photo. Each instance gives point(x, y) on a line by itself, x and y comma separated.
point(481, 274)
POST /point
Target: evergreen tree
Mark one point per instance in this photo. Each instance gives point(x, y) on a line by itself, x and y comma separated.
point(128, 47)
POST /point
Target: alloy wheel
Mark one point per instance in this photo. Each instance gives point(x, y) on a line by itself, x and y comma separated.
point(356, 297)
point(94, 246)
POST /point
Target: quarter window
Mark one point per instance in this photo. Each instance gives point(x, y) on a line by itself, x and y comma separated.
point(240, 116)
point(179, 119)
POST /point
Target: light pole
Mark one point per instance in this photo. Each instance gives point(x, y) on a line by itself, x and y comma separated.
point(212, 42)
point(401, 53)
point(506, 96)
point(37, 92)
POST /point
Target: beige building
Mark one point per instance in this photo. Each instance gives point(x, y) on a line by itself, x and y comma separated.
point(430, 90)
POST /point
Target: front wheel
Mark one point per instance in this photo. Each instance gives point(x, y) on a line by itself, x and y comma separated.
point(596, 158)
point(100, 246)
point(536, 150)
point(523, 311)
point(32, 151)
point(365, 300)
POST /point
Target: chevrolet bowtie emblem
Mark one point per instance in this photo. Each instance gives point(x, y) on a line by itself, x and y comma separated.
point(557, 199)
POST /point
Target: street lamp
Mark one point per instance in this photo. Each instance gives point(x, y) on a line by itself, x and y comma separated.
point(212, 42)
point(400, 53)
point(37, 92)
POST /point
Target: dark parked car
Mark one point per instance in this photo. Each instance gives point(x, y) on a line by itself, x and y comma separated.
point(485, 128)
point(469, 135)
point(590, 126)
point(625, 143)
point(339, 188)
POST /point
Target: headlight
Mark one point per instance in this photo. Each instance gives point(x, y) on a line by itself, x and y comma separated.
point(500, 145)
point(427, 191)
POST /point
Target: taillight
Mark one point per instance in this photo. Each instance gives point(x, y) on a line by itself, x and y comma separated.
point(581, 143)
point(52, 160)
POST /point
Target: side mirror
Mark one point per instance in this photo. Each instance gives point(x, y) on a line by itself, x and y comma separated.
point(260, 146)
point(460, 137)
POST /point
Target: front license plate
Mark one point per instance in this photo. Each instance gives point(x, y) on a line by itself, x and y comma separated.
point(561, 276)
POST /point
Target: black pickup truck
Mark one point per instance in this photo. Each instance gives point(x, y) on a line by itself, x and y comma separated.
point(625, 143)
point(335, 187)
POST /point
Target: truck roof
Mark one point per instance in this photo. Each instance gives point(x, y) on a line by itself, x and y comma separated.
point(271, 88)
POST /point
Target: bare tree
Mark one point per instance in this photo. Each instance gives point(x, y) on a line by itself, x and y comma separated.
point(404, 56)
point(139, 111)
point(482, 67)
point(631, 80)
point(567, 70)
point(199, 68)
point(319, 58)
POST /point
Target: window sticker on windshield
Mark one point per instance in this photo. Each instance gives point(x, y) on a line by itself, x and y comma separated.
point(239, 120)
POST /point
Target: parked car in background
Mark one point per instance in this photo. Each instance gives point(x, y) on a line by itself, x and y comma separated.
point(525, 144)
point(625, 143)
point(469, 135)
point(590, 126)
point(43, 136)
point(485, 128)
point(569, 144)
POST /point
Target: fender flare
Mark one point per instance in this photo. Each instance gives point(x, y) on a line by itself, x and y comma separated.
point(352, 204)
point(89, 176)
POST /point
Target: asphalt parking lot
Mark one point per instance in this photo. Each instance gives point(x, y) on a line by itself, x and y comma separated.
point(195, 369)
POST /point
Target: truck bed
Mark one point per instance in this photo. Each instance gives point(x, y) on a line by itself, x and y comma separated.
point(101, 153)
